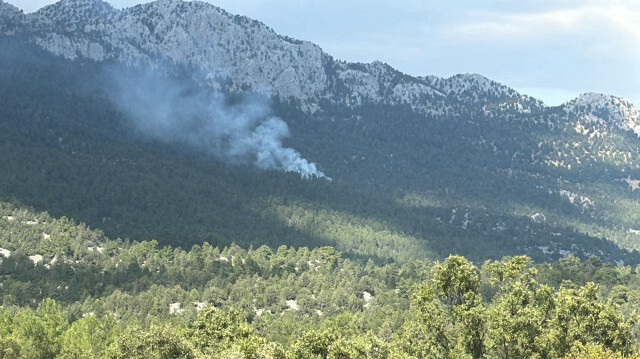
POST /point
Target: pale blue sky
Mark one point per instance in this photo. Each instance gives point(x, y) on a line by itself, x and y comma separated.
point(550, 49)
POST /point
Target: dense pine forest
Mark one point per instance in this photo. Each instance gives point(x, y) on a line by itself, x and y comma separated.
point(69, 151)
point(84, 295)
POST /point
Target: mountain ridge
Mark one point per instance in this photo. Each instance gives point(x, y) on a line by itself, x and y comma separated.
point(140, 33)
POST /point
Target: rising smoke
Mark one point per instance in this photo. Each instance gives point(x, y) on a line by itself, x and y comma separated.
point(179, 112)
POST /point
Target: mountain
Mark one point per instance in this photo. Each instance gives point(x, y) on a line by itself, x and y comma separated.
point(107, 120)
point(240, 50)
point(598, 107)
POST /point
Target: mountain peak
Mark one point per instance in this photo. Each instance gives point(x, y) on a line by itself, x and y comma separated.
point(463, 82)
point(480, 90)
point(5, 6)
point(10, 17)
point(617, 110)
point(68, 13)
point(166, 7)
point(166, 4)
point(8, 10)
point(459, 84)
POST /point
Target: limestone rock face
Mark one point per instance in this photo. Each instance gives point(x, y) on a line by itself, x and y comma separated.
point(242, 54)
point(617, 111)
point(239, 53)
point(195, 34)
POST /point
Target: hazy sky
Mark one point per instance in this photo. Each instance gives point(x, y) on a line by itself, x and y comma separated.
point(550, 49)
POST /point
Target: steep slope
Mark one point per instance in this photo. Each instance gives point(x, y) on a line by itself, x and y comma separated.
point(421, 166)
point(243, 54)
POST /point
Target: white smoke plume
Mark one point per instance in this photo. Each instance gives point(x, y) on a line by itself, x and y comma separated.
point(178, 112)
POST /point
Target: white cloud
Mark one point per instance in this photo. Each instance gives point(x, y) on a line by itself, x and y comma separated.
point(494, 25)
point(557, 50)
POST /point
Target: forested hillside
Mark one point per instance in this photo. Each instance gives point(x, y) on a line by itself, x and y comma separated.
point(69, 291)
point(70, 151)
